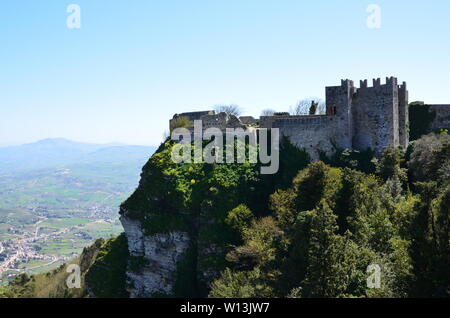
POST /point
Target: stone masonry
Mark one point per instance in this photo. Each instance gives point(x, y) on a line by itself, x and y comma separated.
point(369, 117)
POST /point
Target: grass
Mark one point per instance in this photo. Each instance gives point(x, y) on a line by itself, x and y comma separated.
point(61, 249)
point(64, 223)
point(16, 217)
point(77, 238)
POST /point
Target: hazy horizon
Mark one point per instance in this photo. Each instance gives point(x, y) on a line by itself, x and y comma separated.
point(122, 75)
point(112, 143)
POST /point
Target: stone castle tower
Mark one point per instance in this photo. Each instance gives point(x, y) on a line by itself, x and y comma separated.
point(369, 117)
point(356, 118)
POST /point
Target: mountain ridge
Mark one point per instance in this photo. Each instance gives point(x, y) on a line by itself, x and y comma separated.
point(50, 152)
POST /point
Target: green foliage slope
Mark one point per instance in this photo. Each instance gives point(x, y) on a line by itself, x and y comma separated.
point(311, 230)
point(102, 268)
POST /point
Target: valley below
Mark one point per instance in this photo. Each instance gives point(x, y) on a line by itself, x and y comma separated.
point(49, 213)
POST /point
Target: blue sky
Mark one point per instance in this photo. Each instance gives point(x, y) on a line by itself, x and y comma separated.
point(135, 63)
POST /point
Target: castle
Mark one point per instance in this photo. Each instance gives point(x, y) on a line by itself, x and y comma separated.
point(369, 117)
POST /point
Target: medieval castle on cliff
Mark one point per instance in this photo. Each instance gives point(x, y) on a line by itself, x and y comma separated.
point(374, 117)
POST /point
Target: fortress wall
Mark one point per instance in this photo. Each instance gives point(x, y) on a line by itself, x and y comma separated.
point(191, 116)
point(340, 99)
point(217, 121)
point(369, 117)
point(312, 133)
point(221, 121)
point(267, 121)
point(376, 117)
point(194, 115)
point(442, 119)
point(248, 120)
point(403, 116)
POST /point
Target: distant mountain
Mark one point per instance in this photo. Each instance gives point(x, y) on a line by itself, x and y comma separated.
point(117, 153)
point(50, 153)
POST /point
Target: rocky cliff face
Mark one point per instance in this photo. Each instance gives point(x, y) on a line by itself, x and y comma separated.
point(159, 235)
point(160, 252)
point(175, 224)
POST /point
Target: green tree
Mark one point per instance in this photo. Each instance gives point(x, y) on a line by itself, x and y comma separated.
point(389, 165)
point(327, 272)
point(239, 218)
point(240, 284)
point(428, 154)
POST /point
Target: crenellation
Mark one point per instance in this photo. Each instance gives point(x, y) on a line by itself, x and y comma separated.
point(356, 118)
point(391, 81)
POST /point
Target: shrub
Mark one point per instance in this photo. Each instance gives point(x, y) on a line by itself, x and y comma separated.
point(180, 122)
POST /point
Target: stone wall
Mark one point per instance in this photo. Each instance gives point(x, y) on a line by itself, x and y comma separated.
point(376, 116)
point(442, 118)
point(403, 116)
point(267, 121)
point(339, 105)
point(194, 115)
point(191, 116)
point(311, 133)
point(248, 120)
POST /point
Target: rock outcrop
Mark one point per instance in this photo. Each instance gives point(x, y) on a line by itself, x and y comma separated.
point(175, 224)
point(160, 254)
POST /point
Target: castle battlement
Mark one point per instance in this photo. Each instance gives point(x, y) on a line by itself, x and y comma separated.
point(390, 81)
point(356, 118)
point(347, 83)
point(376, 82)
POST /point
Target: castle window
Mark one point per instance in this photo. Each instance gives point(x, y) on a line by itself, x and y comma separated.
point(332, 110)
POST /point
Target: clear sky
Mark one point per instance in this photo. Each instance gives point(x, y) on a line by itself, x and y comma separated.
point(135, 63)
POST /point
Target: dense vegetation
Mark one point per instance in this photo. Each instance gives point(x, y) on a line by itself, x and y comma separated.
point(311, 230)
point(333, 222)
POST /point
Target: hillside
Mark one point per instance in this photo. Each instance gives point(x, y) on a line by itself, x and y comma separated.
point(92, 261)
point(311, 230)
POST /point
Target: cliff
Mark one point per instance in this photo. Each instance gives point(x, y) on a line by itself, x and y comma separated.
point(175, 227)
